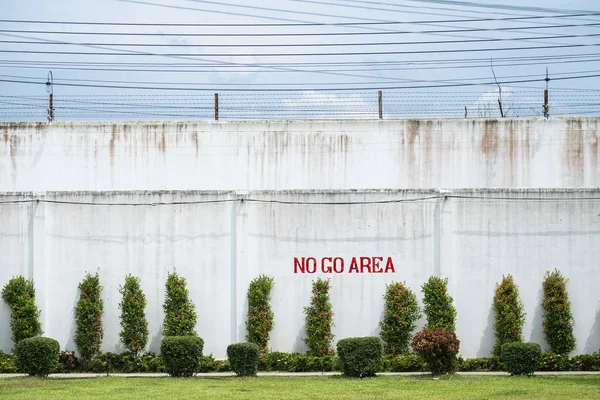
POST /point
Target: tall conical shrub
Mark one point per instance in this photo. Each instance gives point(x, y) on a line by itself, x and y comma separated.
point(134, 325)
point(88, 317)
point(180, 313)
point(557, 320)
point(438, 305)
point(19, 294)
point(260, 316)
point(399, 318)
point(319, 320)
point(510, 316)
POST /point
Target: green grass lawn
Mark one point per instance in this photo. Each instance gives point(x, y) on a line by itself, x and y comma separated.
point(263, 388)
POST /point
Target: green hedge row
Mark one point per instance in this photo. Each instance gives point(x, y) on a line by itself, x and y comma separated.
point(182, 349)
point(295, 362)
point(399, 320)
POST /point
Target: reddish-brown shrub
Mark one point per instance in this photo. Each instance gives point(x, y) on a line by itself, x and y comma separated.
point(438, 348)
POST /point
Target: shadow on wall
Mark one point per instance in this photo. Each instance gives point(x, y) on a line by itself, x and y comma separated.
point(592, 344)
point(241, 334)
point(377, 330)
point(5, 331)
point(299, 345)
point(537, 330)
point(154, 344)
point(486, 346)
point(71, 339)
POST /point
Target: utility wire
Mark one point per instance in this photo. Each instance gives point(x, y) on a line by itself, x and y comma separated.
point(307, 203)
point(415, 43)
point(333, 64)
point(496, 6)
point(304, 89)
point(289, 84)
point(262, 9)
point(261, 71)
point(303, 34)
point(299, 54)
point(445, 21)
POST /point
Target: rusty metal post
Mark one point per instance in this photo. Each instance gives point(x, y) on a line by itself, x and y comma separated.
point(380, 99)
point(50, 90)
point(546, 107)
point(51, 110)
point(216, 106)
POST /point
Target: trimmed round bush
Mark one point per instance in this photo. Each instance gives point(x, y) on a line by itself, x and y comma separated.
point(438, 348)
point(243, 358)
point(37, 356)
point(360, 357)
point(182, 354)
point(521, 358)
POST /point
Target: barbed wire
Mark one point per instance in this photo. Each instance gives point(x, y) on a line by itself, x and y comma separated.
point(300, 105)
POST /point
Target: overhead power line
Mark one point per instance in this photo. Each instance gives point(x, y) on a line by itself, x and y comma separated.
point(371, 53)
point(260, 70)
point(495, 6)
point(154, 82)
point(303, 89)
point(411, 43)
point(444, 21)
point(509, 197)
point(321, 64)
point(303, 34)
point(373, 5)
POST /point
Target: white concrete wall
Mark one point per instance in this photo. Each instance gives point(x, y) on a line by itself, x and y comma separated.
point(220, 241)
point(272, 155)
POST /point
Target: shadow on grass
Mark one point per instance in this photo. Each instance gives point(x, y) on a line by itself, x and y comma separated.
point(591, 380)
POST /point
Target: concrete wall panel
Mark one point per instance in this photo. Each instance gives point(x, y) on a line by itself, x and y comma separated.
point(275, 155)
point(220, 241)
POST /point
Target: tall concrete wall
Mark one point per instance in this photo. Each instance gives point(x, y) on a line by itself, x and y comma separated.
point(279, 155)
point(220, 241)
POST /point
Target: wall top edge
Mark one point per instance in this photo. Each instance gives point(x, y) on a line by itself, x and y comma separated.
point(46, 125)
point(251, 193)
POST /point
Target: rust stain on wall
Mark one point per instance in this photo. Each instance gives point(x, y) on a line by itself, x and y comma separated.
point(512, 145)
point(126, 131)
point(343, 142)
point(594, 147)
point(113, 139)
point(489, 140)
point(162, 145)
point(574, 151)
point(414, 127)
point(14, 145)
point(195, 140)
point(427, 150)
point(179, 132)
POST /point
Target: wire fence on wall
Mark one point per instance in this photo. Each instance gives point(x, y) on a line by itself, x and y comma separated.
point(300, 105)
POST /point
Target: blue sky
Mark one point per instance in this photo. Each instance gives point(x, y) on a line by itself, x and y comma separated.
point(431, 58)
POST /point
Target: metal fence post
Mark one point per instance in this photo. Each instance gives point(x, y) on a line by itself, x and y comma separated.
point(216, 106)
